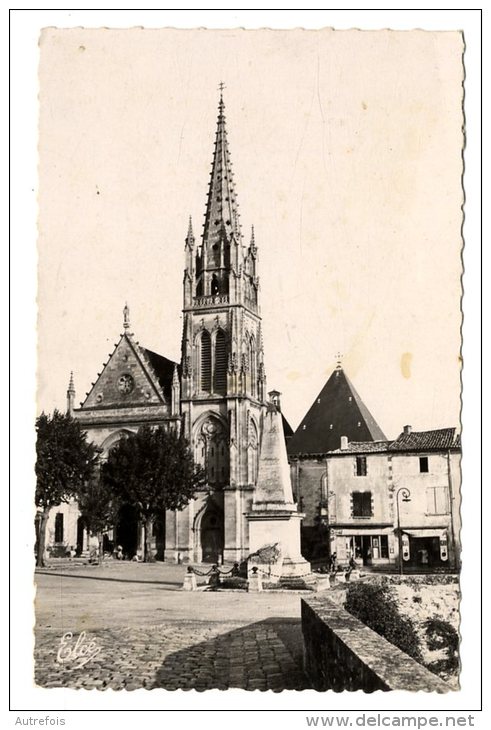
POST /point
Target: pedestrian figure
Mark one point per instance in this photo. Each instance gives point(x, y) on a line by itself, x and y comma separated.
point(333, 563)
point(235, 571)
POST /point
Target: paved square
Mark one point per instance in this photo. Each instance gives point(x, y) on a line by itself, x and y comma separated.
point(146, 632)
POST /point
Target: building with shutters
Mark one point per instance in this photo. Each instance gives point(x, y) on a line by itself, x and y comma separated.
point(379, 501)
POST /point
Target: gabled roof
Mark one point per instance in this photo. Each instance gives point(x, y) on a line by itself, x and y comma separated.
point(442, 438)
point(151, 376)
point(337, 411)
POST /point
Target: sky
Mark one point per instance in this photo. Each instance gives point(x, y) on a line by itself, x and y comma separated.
point(346, 148)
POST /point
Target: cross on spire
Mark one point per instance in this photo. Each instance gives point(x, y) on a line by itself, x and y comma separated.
point(339, 359)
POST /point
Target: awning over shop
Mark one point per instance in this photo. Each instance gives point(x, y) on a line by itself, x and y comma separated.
point(425, 532)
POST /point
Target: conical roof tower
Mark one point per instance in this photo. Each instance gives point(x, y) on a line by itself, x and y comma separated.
point(337, 411)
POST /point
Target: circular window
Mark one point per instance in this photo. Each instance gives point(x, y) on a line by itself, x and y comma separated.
point(126, 384)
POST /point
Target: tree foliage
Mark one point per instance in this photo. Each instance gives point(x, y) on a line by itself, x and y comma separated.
point(66, 460)
point(375, 606)
point(442, 636)
point(153, 470)
point(98, 508)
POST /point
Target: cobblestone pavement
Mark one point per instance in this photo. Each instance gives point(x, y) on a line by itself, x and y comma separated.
point(225, 640)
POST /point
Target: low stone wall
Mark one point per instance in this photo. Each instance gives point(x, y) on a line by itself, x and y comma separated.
point(342, 653)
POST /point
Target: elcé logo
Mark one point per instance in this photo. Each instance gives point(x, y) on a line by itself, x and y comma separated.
point(80, 652)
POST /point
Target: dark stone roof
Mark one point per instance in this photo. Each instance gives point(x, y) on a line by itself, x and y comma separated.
point(441, 438)
point(337, 411)
point(163, 369)
point(287, 429)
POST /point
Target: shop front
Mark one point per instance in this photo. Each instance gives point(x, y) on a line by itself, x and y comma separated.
point(374, 546)
point(424, 548)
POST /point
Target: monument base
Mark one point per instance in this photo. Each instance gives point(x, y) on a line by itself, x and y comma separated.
point(284, 527)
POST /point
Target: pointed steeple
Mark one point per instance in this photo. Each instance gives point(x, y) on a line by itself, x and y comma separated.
point(222, 216)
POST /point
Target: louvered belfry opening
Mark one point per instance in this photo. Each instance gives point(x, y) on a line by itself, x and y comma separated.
point(205, 369)
point(252, 363)
point(220, 375)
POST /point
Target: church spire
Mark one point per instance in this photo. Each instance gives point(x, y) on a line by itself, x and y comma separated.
point(222, 216)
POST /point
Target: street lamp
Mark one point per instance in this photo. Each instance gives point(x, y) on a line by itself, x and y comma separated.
point(406, 497)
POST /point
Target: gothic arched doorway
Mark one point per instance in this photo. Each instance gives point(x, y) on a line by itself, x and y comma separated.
point(211, 533)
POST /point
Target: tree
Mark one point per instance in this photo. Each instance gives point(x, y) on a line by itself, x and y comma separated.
point(65, 462)
point(154, 471)
point(98, 508)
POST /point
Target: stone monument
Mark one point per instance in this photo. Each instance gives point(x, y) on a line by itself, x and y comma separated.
point(274, 522)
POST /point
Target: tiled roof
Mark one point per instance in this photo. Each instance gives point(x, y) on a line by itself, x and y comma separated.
point(441, 438)
point(337, 411)
point(438, 440)
point(163, 368)
point(364, 447)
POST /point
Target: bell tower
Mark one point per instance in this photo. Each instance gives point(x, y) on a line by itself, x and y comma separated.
point(223, 384)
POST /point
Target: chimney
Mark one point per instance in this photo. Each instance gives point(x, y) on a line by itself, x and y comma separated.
point(407, 430)
point(344, 443)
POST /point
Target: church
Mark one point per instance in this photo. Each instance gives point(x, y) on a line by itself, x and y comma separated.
point(346, 476)
point(216, 395)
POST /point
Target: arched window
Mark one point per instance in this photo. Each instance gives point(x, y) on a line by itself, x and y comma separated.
point(215, 285)
point(220, 374)
point(199, 287)
point(205, 362)
point(252, 365)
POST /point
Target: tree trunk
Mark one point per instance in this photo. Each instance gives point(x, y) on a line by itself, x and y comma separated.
point(40, 562)
point(148, 555)
point(101, 552)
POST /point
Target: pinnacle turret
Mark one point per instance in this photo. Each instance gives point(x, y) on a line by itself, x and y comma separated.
point(70, 395)
point(126, 317)
point(190, 234)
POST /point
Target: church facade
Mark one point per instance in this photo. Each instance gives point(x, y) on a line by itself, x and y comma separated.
point(216, 395)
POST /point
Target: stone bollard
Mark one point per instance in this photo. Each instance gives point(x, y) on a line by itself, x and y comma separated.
point(323, 583)
point(190, 581)
point(255, 583)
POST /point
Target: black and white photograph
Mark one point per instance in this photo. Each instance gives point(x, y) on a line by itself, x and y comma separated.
point(248, 432)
